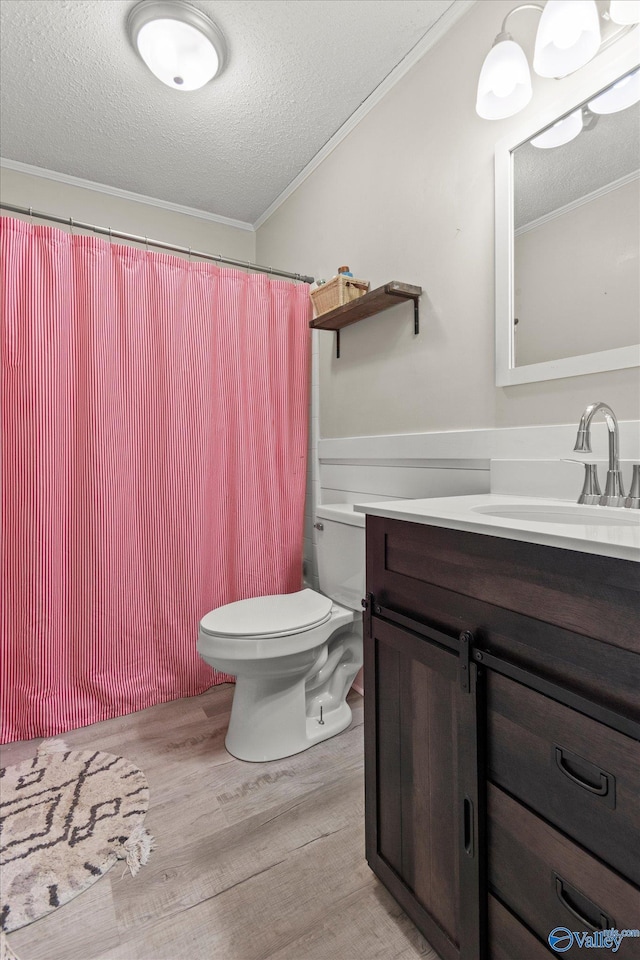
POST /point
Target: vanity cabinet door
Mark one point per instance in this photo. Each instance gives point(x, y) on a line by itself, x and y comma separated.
point(421, 784)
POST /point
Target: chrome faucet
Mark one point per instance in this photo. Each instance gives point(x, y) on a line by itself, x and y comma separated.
point(613, 495)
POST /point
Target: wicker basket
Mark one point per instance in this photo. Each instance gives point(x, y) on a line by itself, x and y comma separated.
point(335, 293)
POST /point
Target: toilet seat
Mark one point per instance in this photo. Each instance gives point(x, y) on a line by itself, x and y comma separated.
point(261, 618)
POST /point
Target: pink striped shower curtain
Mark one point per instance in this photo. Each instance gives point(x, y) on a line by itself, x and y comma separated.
point(154, 439)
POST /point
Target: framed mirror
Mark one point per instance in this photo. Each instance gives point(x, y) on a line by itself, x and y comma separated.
point(568, 240)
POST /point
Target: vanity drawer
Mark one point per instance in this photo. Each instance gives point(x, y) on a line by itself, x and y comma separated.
point(549, 881)
point(508, 938)
point(582, 776)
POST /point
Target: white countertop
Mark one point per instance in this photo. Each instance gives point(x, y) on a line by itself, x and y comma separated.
point(582, 528)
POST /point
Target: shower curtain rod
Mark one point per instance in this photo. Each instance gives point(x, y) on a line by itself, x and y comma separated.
point(108, 232)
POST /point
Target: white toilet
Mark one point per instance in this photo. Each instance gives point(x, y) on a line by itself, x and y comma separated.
point(294, 655)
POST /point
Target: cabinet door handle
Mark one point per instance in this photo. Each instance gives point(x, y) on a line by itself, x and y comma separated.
point(568, 895)
point(601, 789)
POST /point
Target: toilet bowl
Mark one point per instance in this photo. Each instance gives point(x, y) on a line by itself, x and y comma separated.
point(294, 655)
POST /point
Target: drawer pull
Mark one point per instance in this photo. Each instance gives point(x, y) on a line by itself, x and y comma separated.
point(603, 788)
point(576, 903)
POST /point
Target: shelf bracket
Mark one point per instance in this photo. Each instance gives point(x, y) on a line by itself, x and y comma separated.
point(368, 305)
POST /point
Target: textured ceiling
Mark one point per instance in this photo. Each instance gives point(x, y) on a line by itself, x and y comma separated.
point(77, 99)
point(547, 179)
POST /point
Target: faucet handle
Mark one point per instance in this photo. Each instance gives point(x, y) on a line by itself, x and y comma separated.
point(633, 500)
point(591, 492)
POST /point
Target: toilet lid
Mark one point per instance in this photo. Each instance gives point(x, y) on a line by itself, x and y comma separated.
point(275, 616)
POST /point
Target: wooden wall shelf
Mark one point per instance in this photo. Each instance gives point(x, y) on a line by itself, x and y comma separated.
point(389, 295)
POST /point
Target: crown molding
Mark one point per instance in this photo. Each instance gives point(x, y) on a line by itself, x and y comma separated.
point(20, 167)
point(429, 40)
point(588, 198)
point(454, 13)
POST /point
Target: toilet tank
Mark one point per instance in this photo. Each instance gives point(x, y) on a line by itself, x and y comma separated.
point(341, 553)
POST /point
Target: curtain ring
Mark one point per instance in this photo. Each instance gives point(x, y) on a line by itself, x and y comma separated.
point(146, 243)
point(31, 212)
point(189, 254)
point(110, 237)
point(71, 225)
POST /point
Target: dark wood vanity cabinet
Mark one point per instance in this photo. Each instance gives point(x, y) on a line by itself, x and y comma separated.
point(502, 739)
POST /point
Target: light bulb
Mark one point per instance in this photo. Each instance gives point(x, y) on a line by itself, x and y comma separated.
point(177, 54)
point(559, 133)
point(567, 32)
point(568, 37)
point(504, 86)
point(625, 11)
point(620, 95)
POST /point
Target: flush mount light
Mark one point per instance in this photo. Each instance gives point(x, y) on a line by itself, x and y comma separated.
point(178, 42)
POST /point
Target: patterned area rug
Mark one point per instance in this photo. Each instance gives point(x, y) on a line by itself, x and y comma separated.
point(66, 816)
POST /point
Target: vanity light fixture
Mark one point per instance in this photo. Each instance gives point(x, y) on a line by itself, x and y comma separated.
point(561, 132)
point(619, 95)
point(625, 12)
point(566, 128)
point(178, 42)
point(504, 87)
point(568, 37)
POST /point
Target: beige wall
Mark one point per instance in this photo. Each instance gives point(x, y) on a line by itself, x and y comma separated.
point(568, 289)
point(409, 196)
point(129, 216)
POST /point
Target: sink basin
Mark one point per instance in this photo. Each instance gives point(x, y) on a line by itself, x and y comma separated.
point(564, 513)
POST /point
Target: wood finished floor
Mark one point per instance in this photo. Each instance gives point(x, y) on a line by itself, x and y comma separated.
point(252, 861)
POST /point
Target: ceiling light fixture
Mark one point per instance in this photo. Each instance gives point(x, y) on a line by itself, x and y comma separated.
point(178, 43)
point(568, 37)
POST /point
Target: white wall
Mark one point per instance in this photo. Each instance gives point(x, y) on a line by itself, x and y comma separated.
point(409, 196)
point(129, 216)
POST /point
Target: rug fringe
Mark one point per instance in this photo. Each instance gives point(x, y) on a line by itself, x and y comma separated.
point(137, 849)
point(57, 745)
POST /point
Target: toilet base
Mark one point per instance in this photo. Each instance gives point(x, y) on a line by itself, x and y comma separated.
point(334, 722)
point(277, 716)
